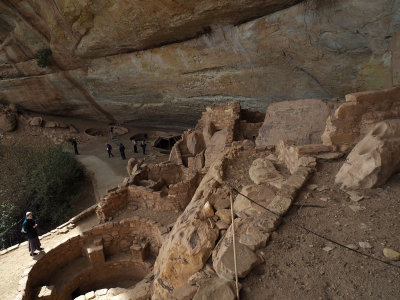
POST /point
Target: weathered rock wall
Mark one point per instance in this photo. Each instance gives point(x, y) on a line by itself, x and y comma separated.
point(315, 49)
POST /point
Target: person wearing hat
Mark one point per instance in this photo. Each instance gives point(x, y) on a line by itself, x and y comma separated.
point(33, 238)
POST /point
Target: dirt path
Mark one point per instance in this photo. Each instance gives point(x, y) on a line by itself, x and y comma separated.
point(14, 263)
point(103, 176)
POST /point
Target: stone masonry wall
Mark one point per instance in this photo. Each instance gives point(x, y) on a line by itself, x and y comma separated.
point(114, 238)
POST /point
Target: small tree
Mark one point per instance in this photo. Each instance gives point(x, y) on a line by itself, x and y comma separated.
point(43, 57)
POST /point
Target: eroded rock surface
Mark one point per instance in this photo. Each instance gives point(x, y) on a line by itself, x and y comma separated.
point(185, 252)
point(237, 50)
point(374, 159)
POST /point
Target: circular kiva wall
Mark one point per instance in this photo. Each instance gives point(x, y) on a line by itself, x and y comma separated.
point(109, 255)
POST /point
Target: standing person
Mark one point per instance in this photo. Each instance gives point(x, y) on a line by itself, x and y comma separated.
point(134, 145)
point(143, 145)
point(33, 238)
point(75, 144)
point(116, 141)
point(109, 148)
point(112, 132)
point(122, 151)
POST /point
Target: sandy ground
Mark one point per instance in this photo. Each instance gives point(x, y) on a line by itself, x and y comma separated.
point(297, 267)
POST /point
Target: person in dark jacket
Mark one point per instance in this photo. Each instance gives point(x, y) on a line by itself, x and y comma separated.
point(109, 148)
point(33, 238)
point(122, 151)
point(134, 145)
point(75, 144)
point(143, 145)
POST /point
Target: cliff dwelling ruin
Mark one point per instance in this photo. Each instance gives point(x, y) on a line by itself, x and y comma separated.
point(272, 140)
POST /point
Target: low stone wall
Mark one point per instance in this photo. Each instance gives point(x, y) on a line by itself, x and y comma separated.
point(111, 203)
point(106, 252)
point(162, 187)
point(84, 214)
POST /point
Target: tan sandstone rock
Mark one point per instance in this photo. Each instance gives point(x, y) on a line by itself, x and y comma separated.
point(374, 159)
point(391, 254)
point(195, 143)
point(216, 289)
point(132, 162)
point(251, 234)
point(299, 121)
point(185, 252)
point(295, 157)
point(224, 215)
point(358, 115)
point(223, 261)
point(216, 146)
point(47, 293)
point(261, 194)
point(212, 66)
point(263, 170)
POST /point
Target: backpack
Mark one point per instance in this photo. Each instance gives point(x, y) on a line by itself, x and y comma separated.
point(23, 230)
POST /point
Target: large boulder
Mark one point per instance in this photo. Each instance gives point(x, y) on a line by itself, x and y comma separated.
point(186, 250)
point(300, 121)
point(8, 122)
point(374, 159)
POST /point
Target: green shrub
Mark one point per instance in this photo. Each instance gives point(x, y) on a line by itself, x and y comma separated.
point(43, 58)
point(43, 180)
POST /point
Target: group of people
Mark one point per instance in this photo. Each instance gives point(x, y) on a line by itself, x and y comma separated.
point(121, 146)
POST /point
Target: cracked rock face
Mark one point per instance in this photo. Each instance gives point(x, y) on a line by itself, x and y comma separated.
point(255, 52)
